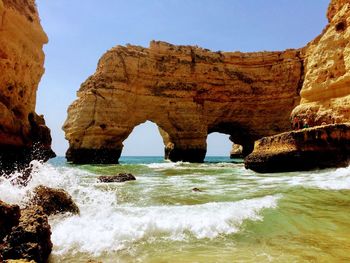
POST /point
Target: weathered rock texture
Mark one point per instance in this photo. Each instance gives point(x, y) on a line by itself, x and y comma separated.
point(316, 147)
point(30, 239)
point(9, 217)
point(21, 67)
point(188, 92)
point(53, 201)
point(325, 95)
point(325, 99)
point(236, 151)
point(119, 178)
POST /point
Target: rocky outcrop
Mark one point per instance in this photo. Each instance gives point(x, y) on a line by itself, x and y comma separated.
point(53, 201)
point(189, 92)
point(9, 217)
point(236, 151)
point(23, 134)
point(30, 239)
point(325, 95)
point(316, 147)
point(325, 100)
point(119, 178)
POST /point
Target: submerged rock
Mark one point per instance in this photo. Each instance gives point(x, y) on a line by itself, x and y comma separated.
point(54, 201)
point(9, 217)
point(30, 239)
point(197, 190)
point(122, 177)
point(317, 147)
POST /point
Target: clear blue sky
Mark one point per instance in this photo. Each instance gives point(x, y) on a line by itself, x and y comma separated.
point(81, 31)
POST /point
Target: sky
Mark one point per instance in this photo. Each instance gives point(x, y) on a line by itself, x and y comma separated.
point(81, 31)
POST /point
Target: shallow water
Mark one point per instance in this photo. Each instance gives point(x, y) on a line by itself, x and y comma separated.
point(240, 216)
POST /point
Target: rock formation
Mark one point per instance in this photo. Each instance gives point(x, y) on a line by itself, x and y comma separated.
point(9, 217)
point(23, 134)
point(119, 178)
point(236, 151)
point(325, 95)
point(325, 99)
point(188, 92)
point(30, 239)
point(53, 201)
point(316, 147)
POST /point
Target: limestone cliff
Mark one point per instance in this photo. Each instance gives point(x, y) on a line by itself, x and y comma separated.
point(188, 92)
point(325, 99)
point(21, 67)
point(325, 95)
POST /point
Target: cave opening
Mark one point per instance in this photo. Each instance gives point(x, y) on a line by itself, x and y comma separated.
point(218, 145)
point(144, 140)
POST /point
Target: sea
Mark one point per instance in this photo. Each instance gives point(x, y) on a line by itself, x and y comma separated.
point(235, 215)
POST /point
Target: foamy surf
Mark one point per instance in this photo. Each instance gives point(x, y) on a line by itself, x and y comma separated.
point(109, 228)
point(158, 208)
point(166, 165)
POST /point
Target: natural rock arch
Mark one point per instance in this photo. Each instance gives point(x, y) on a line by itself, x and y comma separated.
point(188, 92)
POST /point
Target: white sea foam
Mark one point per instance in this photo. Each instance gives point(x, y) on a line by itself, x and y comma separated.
point(330, 179)
point(338, 179)
point(166, 165)
point(42, 174)
point(108, 227)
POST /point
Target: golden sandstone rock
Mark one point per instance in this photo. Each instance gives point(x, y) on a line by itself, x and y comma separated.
point(21, 67)
point(325, 95)
point(325, 99)
point(188, 92)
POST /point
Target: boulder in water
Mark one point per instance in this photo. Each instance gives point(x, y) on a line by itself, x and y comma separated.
point(54, 201)
point(119, 178)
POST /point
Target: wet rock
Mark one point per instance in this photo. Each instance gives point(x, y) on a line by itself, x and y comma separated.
point(9, 217)
point(197, 190)
point(122, 177)
point(54, 201)
point(30, 239)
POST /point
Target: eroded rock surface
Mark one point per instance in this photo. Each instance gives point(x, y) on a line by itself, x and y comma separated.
point(188, 92)
point(119, 178)
point(53, 201)
point(316, 147)
point(30, 239)
point(236, 151)
point(9, 217)
point(325, 99)
point(325, 95)
point(23, 134)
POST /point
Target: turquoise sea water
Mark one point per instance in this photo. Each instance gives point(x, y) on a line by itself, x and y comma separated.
point(238, 216)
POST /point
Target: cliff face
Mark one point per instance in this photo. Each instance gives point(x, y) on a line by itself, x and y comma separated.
point(188, 92)
point(325, 99)
point(21, 67)
point(325, 95)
